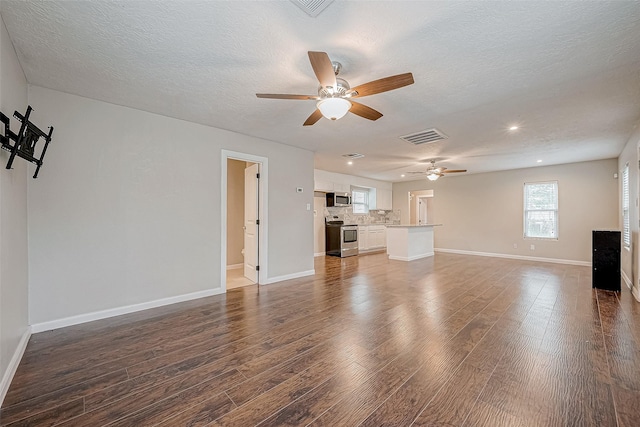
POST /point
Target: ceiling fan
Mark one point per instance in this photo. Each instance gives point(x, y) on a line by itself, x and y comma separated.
point(433, 172)
point(335, 96)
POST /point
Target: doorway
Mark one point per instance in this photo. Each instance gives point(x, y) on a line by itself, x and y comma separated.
point(421, 207)
point(243, 249)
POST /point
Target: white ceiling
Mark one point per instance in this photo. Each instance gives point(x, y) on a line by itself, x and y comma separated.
point(566, 72)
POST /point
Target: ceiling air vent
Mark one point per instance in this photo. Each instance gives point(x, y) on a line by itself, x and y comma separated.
point(424, 137)
point(353, 155)
point(312, 7)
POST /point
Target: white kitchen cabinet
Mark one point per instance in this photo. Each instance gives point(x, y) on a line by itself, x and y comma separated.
point(363, 237)
point(323, 185)
point(372, 237)
point(341, 187)
point(384, 199)
point(377, 237)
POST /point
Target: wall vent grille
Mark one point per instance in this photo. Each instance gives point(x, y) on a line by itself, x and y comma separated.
point(312, 7)
point(425, 137)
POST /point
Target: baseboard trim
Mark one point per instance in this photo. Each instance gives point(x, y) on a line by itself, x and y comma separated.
point(319, 254)
point(520, 257)
point(626, 279)
point(275, 279)
point(629, 283)
point(234, 266)
point(103, 314)
point(412, 258)
point(13, 364)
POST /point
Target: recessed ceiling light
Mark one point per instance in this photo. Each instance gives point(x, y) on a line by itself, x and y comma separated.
point(538, 161)
point(514, 128)
point(349, 162)
point(402, 176)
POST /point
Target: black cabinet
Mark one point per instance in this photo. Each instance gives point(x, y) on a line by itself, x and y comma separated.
point(606, 260)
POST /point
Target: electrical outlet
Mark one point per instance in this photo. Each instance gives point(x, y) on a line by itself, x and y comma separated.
point(532, 247)
point(515, 246)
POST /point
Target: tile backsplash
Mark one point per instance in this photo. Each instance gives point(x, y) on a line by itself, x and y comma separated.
point(346, 214)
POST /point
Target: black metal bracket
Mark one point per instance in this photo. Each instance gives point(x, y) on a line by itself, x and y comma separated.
point(25, 141)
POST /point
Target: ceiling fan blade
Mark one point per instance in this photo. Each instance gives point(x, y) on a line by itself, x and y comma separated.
point(383, 85)
point(323, 68)
point(285, 96)
point(313, 118)
point(364, 111)
point(454, 171)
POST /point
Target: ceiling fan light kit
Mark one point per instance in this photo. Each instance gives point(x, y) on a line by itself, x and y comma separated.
point(433, 176)
point(335, 94)
point(334, 108)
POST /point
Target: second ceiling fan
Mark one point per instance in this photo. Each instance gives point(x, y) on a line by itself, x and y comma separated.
point(335, 96)
point(433, 172)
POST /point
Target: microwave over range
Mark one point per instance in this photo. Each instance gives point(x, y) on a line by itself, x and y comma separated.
point(338, 199)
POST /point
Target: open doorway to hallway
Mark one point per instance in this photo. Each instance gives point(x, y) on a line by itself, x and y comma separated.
point(421, 207)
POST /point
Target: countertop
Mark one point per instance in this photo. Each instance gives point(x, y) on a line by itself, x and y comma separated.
point(413, 226)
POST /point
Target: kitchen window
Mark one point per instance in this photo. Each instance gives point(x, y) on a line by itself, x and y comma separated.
point(360, 200)
point(626, 226)
point(541, 210)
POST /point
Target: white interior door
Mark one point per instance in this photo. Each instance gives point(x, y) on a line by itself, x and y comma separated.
point(251, 222)
point(422, 206)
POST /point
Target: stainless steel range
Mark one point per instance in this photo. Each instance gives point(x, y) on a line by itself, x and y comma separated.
point(341, 240)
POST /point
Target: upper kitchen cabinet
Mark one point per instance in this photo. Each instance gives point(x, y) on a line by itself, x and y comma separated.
point(329, 181)
point(341, 187)
point(323, 185)
point(379, 191)
point(384, 199)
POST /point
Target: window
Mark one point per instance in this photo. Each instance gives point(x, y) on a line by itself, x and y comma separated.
point(541, 210)
point(626, 231)
point(360, 200)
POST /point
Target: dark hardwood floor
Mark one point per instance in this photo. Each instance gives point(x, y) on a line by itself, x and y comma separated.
point(448, 341)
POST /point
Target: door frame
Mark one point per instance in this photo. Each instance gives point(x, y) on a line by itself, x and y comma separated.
point(263, 167)
point(417, 195)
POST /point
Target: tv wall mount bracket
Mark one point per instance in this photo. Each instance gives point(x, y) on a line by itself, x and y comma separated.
point(24, 142)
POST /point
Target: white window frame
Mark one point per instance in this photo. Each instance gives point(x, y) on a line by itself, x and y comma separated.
point(626, 220)
point(364, 210)
point(526, 211)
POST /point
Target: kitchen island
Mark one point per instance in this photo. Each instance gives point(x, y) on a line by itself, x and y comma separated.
point(410, 242)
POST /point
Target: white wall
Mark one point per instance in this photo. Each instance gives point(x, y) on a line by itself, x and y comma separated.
point(629, 258)
point(13, 222)
point(319, 204)
point(128, 209)
point(484, 212)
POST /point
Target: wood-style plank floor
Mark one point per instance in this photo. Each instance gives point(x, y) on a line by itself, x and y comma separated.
point(451, 340)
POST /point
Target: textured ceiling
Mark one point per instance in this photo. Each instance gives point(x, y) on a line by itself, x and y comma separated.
point(568, 73)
